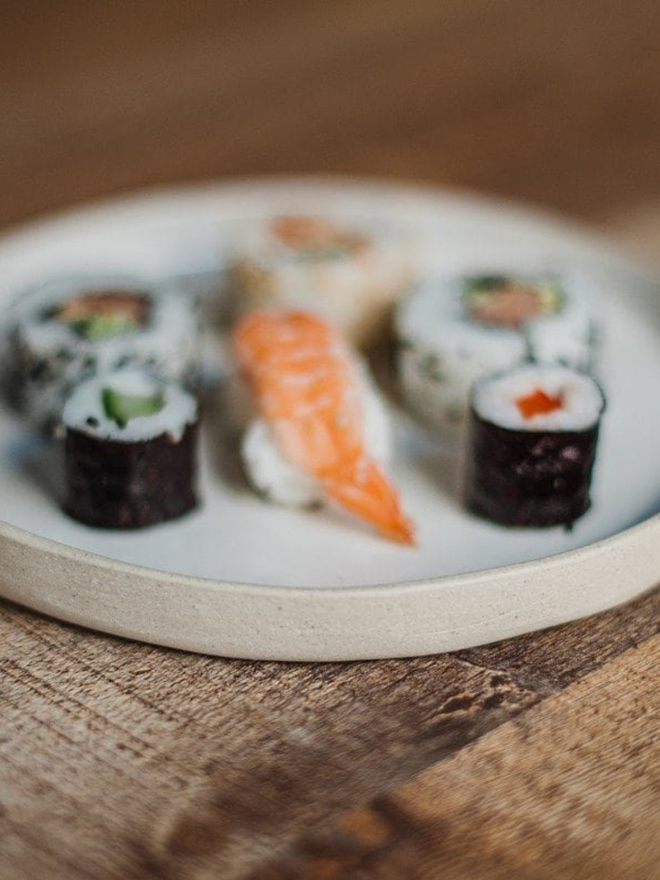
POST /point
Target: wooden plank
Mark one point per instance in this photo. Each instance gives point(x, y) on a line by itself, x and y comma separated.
point(558, 106)
point(125, 760)
point(569, 789)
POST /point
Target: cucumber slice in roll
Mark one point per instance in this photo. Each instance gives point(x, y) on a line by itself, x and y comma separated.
point(122, 407)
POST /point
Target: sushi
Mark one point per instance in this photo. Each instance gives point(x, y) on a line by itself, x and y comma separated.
point(70, 328)
point(349, 273)
point(130, 450)
point(308, 394)
point(532, 439)
point(450, 332)
point(279, 480)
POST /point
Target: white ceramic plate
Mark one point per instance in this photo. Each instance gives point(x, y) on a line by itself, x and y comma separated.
point(242, 578)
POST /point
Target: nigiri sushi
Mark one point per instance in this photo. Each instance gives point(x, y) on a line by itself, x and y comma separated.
point(308, 392)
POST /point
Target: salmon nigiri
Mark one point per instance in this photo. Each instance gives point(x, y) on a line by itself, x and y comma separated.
point(309, 393)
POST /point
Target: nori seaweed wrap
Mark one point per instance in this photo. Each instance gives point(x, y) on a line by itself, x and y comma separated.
point(532, 439)
point(130, 451)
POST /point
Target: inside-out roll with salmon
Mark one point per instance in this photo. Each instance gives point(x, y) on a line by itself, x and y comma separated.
point(69, 328)
point(351, 272)
point(314, 419)
point(452, 331)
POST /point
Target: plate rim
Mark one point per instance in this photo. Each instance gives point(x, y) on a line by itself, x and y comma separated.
point(301, 628)
point(318, 624)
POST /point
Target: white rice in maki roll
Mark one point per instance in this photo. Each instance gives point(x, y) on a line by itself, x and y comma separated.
point(532, 440)
point(451, 332)
point(68, 329)
point(130, 450)
point(350, 273)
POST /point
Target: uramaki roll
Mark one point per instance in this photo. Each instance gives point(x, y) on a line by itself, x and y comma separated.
point(349, 272)
point(70, 328)
point(452, 331)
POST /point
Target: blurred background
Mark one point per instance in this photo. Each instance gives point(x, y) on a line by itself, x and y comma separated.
point(554, 102)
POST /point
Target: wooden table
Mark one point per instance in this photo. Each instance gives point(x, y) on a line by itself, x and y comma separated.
point(534, 758)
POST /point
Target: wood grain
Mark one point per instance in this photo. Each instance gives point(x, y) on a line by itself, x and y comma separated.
point(121, 760)
point(570, 789)
point(535, 758)
point(554, 102)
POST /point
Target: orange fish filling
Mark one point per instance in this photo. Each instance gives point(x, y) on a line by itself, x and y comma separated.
point(511, 305)
point(107, 303)
point(303, 383)
point(315, 234)
point(538, 403)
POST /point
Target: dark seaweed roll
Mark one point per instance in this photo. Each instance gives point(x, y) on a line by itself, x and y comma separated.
point(130, 451)
point(532, 442)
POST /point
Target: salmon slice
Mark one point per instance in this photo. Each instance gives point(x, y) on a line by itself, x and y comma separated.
point(109, 303)
point(305, 387)
point(316, 234)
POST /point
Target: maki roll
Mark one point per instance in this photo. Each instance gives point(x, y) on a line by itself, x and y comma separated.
point(452, 332)
point(130, 450)
point(349, 273)
point(316, 438)
point(532, 438)
point(68, 329)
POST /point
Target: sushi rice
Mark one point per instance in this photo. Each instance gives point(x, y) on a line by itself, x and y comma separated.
point(84, 410)
point(47, 357)
point(277, 478)
point(442, 350)
point(352, 285)
point(495, 399)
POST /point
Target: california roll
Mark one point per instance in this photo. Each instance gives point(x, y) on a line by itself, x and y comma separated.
point(450, 332)
point(69, 329)
point(350, 273)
